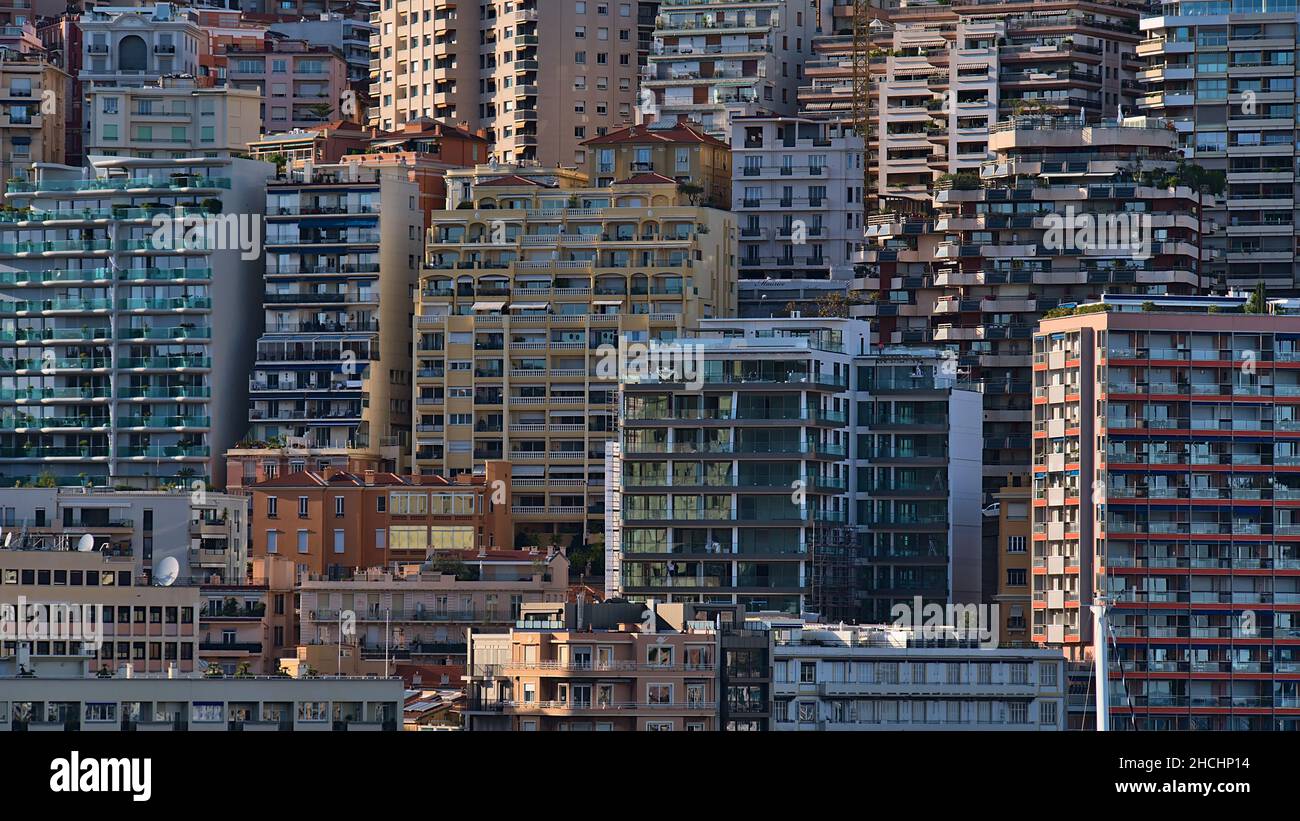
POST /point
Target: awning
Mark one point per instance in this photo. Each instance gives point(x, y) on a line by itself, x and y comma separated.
point(488, 306)
point(607, 302)
point(529, 306)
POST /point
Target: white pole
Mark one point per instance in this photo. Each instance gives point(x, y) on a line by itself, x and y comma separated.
point(1100, 656)
point(386, 614)
point(339, 669)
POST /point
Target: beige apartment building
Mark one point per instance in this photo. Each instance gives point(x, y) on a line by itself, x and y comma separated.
point(33, 105)
point(611, 666)
point(173, 118)
point(118, 619)
point(539, 84)
point(530, 282)
point(1014, 563)
point(679, 150)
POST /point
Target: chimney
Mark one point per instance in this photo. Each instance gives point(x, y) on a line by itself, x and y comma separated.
point(370, 477)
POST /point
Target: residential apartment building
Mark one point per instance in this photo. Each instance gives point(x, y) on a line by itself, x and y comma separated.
point(713, 60)
point(340, 31)
point(418, 613)
point(797, 190)
point(680, 151)
point(950, 73)
point(609, 666)
point(538, 84)
point(892, 678)
point(975, 277)
point(424, 151)
point(530, 281)
point(319, 144)
point(818, 475)
point(206, 533)
point(1164, 470)
point(332, 521)
point(199, 702)
point(1226, 80)
point(298, 83)
point(138, 45)
point(735, 491)
point(112, 371)
point(246, 625)
point(1014, 565)
point(107, 614)
point(32, 116)
point(337, 271)
point(172, 119)
point(61, 39)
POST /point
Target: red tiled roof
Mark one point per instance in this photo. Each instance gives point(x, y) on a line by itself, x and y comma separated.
point(513, 179)
point(682, 132)
point(653, 178)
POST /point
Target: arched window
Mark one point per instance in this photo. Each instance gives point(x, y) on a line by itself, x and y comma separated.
point(132, 53)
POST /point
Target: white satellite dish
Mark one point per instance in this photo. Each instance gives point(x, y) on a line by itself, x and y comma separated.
point(9, 538)
point(166, 571)
point(86, 543)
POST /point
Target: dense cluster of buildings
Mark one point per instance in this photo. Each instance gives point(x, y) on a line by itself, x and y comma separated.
point(649, 364)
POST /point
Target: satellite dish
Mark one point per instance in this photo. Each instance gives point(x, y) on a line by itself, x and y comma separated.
point(86, 543)
point(9, 538)
point(166, 571)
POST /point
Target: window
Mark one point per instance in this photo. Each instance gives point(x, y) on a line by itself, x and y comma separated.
point(408, 504)
point(408, 537)
point(302, 541)
point(381, 538)
point(338, 541)
point(272, 541)
point(658, 693)
point(451, 538)
point(1015, 544)
point(658, 655)
point(1047, 672)
point(313, 711)
point(338, 506)
point(1016, 577)
point(302, 507)
point(1047, 712)
point(807, 672)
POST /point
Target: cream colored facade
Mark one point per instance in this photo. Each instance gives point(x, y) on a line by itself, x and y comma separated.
point(520, 291)
point(34, 101)
point(539, 83)
point(149, 628)
point(172, 119)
